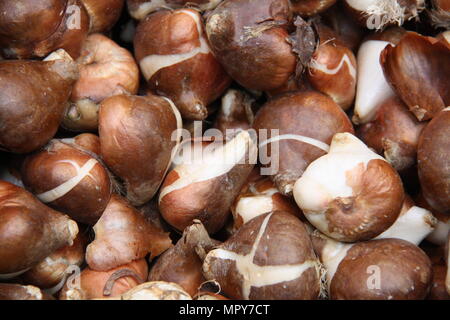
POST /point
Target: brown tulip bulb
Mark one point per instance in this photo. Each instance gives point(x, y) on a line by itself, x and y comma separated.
point(139, 9)
point(105, 70)
point(393, 133)
point(123, 235)
point(103, 14)
point(251, 40)
point(51, 273)
point(90, 284)
point(351, 194)
point(175, 58)
point(385, 269)
point(181, 264)
point(259, 195)
point(433, 162)
point(21, 292)
point(269, 258)
point(68, 180)
point(308, 8)
point(236, 111)
point(34, 28)
point(423, 85)
point(306, 123)
point(29, 230)
point(377, 14)
point(137, 141)
point(36, 91)
point(332, 71)
point(203, 187)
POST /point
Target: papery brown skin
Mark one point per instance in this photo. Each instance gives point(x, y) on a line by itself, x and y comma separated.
point(310, 114)
point(155, 290)
point(338, 84)
point(394, 133)
point(258, 186)
point(50, 271)
point(56, 165)
point(123, 235)
point(308, 8)
point(284, 241)
point(33, 95)
point(417, 69)
point(139, 9)
point(135, 138)
point(181, 264)
point(70, 34)
point(118, 280)
point(29, 230)
point(193, 83)
point(106, 69)
point(404, 269)
point(207, 200)
point(9, 291)
point(236, 111)
point(249, 39)
point(103, 14)
point(433, 162)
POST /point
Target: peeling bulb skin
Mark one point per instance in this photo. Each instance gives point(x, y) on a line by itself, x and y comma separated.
point(44, 88)
point(377, 14)
point(29, 230)
point(136, 141)
point(372, 87)
point(418, 68)
point(440, 14)
point(394, 133)
point(181, 264)
point(123, 235)
point(259, 195)
point(333, 71)
point(306, 121)
point(249, 39)
point(351, 194)
point(269, 258)
point(139, 9)
point(175, 58)
point(92, 284)
point(433, 158)
point(388, 269)
point(205, 186)
point(22, 292)
point(68, 180)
